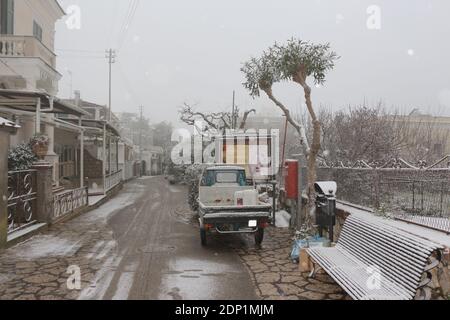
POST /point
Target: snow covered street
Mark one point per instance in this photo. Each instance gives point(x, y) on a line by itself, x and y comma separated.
point(139, 245)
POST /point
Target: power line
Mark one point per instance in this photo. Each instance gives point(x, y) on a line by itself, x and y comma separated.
point(113, 21)
point(80, 57)
point(127, 23)
point(128, 85)
point(79, 51)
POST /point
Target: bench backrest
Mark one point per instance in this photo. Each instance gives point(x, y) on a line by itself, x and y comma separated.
point(399, 256)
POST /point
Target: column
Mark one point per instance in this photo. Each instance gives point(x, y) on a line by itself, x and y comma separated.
point(4, 141)
point(44, 189)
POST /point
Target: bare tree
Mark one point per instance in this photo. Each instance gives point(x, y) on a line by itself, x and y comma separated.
point(373, 135)
point(295, 61)
point(217, 121)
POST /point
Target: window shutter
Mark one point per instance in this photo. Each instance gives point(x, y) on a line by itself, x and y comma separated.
point(10, 17)
point(3, 15)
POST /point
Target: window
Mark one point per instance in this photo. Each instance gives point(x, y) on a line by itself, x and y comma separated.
point(211, 178)
point(6, 16)
point(226, 177)
point(37, 31)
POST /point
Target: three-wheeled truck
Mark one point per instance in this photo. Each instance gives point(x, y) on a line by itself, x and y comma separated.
point(227, 205)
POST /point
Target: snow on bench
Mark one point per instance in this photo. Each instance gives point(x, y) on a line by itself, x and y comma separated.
point(377, 261)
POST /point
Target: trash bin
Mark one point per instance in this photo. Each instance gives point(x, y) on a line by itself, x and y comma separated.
point(326, 207)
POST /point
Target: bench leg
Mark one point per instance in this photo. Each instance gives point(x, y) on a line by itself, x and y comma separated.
point(424, 291)
point(316, 268)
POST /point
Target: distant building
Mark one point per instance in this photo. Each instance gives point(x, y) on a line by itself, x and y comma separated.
point(431, 134)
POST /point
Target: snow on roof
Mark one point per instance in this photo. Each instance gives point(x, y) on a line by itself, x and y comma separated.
point(6, 123)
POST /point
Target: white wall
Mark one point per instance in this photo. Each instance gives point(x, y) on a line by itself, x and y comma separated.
point(44, 12)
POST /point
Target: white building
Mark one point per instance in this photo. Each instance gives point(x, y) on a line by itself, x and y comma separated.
point(27, 32)
point(29, 84)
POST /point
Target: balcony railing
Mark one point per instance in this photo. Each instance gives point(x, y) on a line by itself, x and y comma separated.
point(26, 46)
point(69, 201)
point(112, 180)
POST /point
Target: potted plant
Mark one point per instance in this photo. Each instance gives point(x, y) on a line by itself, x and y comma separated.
point(40, 143)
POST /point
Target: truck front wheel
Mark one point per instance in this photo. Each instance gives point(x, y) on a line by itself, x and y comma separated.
point(203, 236)
point(259, 236)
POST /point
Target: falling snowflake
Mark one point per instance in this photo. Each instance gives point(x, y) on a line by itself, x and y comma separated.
point(339, 18)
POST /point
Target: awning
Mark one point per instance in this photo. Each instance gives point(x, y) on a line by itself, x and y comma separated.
point(97, 124)
point(26, 100)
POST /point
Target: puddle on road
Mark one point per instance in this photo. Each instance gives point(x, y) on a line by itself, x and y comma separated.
point(155, 248)
point(191, 279)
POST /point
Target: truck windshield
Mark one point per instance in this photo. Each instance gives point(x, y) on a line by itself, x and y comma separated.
point(226, 177)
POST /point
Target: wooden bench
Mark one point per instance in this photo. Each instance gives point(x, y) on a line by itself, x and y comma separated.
point(376, 261)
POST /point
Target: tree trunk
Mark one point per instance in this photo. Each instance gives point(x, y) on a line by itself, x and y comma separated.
point(300, 78)
point(312, 157)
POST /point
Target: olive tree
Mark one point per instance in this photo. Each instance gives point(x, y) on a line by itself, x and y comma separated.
point(296, 61)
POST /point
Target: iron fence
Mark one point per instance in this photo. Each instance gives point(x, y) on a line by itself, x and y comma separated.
point(416, 197)
point(69, 201)
point(412, 192)
point(21, 199)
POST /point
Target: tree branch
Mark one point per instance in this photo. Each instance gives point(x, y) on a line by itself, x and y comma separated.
point(299, 128)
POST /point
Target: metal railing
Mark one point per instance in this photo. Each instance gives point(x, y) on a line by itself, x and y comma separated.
point(69, 201)
point(21, 199)
point(112, 180)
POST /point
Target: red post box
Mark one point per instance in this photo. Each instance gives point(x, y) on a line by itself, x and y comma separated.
point(291, 179)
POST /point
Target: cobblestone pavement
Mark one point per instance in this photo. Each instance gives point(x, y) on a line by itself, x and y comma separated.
point(37, 269)
point(276, 277)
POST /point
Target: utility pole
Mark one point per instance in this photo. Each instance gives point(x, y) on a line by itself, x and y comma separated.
point(140, 136)
point(111, 56)
point(233, 114)
point(71, 83)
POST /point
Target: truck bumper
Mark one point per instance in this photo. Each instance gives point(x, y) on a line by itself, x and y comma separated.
point(227, 223)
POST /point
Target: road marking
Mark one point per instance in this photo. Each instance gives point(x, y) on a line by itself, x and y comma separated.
point(96, 248)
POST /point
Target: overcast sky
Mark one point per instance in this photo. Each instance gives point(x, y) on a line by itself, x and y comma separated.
point(178, 50)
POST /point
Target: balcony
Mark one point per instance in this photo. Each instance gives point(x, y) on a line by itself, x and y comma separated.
point(26, 46)
point(31, 65)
